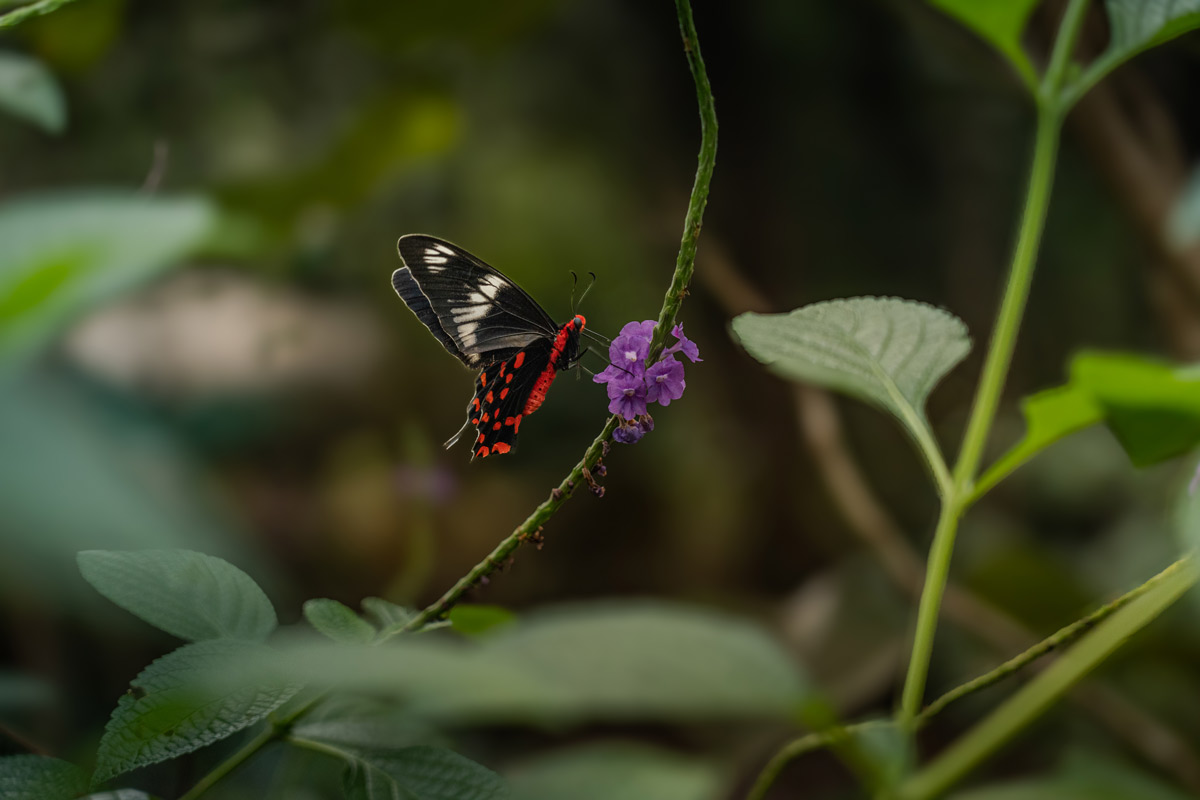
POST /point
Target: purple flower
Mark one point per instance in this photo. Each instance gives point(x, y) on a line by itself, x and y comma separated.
point(684, 345)
point(630, 431)
point(627, 398)
point(664, 382)
point(631, 385)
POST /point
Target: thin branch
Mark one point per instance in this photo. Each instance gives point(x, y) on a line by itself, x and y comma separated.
point(818, 740)
point(1060, 638)
point(19, 15)
point(530, 529)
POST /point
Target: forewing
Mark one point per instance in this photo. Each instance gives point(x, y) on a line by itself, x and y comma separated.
point(474, 310)
point(501, 391)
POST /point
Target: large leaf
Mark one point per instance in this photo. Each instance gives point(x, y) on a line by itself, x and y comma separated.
point(170, 709)
point(337, 621)
point(1153, 409)
point(1134, 26)
point(415, 773)
point(62, 254)
point(615, 770)
point(1000, 23)
point(29, 91)
point(610, 662)
point(886, 351)
point(365, 722)
point(40, 778)
point(187, 594)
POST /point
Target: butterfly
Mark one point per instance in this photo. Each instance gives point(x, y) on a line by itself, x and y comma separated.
point(489, 323)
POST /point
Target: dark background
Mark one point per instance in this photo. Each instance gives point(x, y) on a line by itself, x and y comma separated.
point(273, 402)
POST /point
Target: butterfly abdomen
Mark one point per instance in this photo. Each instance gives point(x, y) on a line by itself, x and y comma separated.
point(566, 345)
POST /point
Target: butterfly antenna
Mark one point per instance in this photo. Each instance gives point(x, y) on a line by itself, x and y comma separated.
point(589, 287)
point(574, 286)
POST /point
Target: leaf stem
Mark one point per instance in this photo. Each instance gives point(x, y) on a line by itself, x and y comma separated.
point(817, 740)
point(1032, 700)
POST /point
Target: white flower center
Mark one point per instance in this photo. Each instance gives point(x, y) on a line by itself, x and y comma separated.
point(661, 378)
point(631, 355)
point(629, 392)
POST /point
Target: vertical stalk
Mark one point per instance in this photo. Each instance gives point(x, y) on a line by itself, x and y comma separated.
point(1050, 112)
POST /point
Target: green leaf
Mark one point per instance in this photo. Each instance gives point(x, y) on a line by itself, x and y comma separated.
point(187, 594)
point(40, 778)
point(1153, 409)
point(886, 351)
point(1187, 516)
point(29, 91)
point(369, 722)
point(337, 621)
point(1000, 23)
point(1083, 777)
point(415, 773)
point(120, 794)
point(629, 661)
point(33, 9)
point(474, 620)
point(391, 617)
point(615, 770)
point(63, 254)
point(170, 709)
point(1135, 26)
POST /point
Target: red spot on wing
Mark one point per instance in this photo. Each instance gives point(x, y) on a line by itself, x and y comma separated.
point(517, 424)
point(496, 427)
point(504, 393)
point(519, 360)
point(482, 452)
point(476, 403)
point(501, 447)
point(489, 398)
point(481, 437)
point(508, 378)
point(508, 421)
point(483, 378)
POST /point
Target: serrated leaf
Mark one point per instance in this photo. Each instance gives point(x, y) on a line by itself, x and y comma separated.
point(416, 773)
point(29, 91)
point(474, 620)
point(615, 770)
point(337, 621)
point(40, 778)
point(1135, 26)
point(170, 709)
point(369, 722)
point(63, 254)
point(886, 351)
point(1000, 23)
point(187, 594)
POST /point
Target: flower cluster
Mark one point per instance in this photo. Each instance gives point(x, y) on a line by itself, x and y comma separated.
point(632, 385)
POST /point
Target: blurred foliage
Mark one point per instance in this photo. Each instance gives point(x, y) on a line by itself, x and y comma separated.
point(271, 401)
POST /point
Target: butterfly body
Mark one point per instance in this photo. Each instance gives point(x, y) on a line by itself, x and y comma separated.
point(489, 323)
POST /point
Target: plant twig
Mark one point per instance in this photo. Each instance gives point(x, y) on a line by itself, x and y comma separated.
point(1060, 638)
point(684, 266)
point(818, 740)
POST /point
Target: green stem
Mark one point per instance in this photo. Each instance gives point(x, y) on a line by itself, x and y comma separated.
point(998, 360)
point(684, 267)
point(817, 740)
point(1042, 692)
point(36, 9)
point(276, 730)
point(1058, 639)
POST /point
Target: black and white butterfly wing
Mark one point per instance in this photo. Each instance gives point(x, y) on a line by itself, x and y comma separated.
point(477, 313)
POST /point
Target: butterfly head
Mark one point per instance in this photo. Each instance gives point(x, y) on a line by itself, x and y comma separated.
point(578, 322)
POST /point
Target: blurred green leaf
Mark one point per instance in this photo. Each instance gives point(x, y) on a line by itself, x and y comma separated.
point(1083, 777)
point(120, 794)
point(1153, 409)
point(80, 475)
point(29, 91)
point(187, 594)
point(886, 351)
point(63, 254)
point(169, 710)
point(33, 9)
point(615, 770)
point(1135, 26)
point(416, 773)
point(391, 617)
point(1049, 416)
point(40, 778)
point(369, 722)
point(1000, 23)
point(1183, 225)
point(631, 661)
point(337, 621)
point(1187, 516)
point(473, 620)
